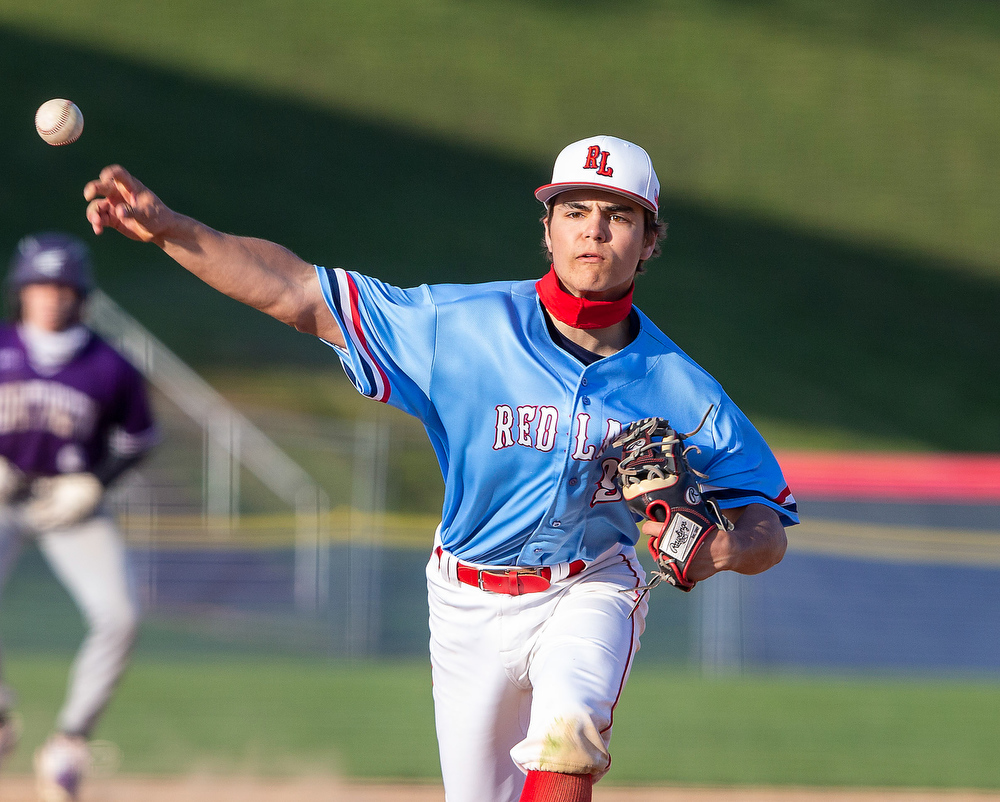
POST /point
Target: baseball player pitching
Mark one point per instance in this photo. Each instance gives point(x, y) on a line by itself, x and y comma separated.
point(532, 394)
point(74, 416)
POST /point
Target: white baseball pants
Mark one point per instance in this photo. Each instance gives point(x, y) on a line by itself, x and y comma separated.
point(529, 682)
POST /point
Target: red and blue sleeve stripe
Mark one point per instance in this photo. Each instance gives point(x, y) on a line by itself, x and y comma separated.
point(365, 371)
point(785, 504)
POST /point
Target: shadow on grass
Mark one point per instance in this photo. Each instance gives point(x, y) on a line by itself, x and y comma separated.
point(800, 328)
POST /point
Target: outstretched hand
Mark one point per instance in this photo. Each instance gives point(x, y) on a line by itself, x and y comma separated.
point(253, 271)
point(119, 201)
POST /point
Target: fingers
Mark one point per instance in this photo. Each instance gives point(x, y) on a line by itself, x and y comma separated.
point(117, 200)
point(114, 183)
point(104, 194)
point(100, 215)
point(103, 213)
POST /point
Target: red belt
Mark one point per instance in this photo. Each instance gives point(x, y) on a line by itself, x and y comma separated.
point(510, 581)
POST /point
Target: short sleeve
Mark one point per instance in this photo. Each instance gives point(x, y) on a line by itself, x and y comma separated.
point(742, 469)
point(390, 336)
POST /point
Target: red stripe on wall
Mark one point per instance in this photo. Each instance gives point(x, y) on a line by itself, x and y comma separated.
point(862, 475)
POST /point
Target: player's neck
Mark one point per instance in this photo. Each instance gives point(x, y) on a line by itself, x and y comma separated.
point(601, 327)
point(578, 311)
point(605, 342)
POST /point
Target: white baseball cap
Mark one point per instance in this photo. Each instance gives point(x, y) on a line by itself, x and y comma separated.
point(608, 163)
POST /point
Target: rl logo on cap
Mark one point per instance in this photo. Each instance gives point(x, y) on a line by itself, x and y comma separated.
point(597, 159)
point(587, 164)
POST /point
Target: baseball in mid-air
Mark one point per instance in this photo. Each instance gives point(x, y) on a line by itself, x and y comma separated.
point(59, 121)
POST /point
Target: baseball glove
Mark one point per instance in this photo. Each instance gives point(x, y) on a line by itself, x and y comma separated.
point(658, 484)
point(62, 500)
point(12, 481)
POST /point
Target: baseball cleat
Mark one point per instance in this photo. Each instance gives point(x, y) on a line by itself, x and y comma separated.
point(60, 765)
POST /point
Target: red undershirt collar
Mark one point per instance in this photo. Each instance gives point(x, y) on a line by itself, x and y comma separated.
point(581, 313)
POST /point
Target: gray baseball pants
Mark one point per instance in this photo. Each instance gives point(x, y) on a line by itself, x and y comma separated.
point(88, 558)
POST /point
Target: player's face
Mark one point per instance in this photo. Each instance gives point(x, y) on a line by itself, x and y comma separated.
point(50, 307)
point(597, 240)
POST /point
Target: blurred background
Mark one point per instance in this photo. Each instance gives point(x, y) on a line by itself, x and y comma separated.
point(831, 179)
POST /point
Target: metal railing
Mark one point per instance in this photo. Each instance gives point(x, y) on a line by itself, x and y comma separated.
point(230, 440)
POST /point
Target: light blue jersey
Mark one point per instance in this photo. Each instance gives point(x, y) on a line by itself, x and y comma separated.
point(522, 429)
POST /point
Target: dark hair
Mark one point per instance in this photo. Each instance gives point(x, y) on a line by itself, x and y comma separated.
point(651, 225)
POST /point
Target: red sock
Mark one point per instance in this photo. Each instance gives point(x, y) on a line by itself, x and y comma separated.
point(549, 786)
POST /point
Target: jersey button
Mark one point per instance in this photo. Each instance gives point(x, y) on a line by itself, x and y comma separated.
point(583, 382)
point(556, 524)
point(586, 401)
point(573, 481)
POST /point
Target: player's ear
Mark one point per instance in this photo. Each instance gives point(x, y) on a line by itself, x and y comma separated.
point(648, 247)
point(546, 237)
point(650, 235)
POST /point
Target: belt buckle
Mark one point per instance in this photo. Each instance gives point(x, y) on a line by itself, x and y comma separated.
point(510, 574)
point(485, 572)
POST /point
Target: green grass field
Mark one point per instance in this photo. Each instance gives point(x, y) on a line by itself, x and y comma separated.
point(271, 716)
point(204, 699)
point(829, 170)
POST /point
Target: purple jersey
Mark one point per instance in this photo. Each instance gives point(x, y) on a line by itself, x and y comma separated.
point(68, 421)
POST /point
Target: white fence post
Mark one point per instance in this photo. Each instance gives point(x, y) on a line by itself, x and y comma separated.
point(720, 631)
point(364, 575)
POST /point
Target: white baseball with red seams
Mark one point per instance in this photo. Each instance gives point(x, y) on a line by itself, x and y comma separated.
point(59, 121)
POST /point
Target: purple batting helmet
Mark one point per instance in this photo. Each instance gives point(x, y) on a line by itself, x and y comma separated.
point(51, 258)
